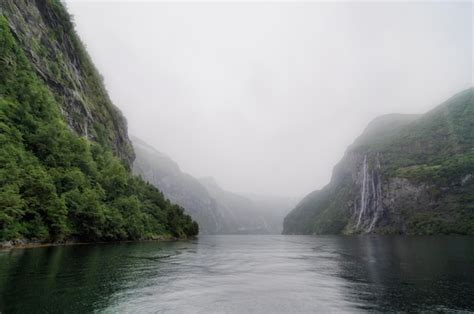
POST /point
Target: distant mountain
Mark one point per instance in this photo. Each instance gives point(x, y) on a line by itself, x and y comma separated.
point(217, 211)
point(408, 174)
point(250, 214)
point(179, 187)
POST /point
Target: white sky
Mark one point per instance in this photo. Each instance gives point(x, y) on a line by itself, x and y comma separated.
point(265, 97)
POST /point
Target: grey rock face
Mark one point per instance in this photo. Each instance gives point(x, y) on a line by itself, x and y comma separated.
point(378, 203)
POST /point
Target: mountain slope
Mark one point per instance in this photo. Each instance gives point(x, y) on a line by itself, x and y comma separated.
point(217, 211)
point(56, 185)
point(404, 174)
point(179, 187)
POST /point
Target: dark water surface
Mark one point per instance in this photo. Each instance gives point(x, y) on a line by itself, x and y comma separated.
point(244, 273)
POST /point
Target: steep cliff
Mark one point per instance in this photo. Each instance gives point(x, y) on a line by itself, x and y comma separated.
point(44, 30)
point(217, 211)
point(64, 151)
point(405, 174)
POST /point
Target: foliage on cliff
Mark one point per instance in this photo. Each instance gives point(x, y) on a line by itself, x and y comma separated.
point(55, 185)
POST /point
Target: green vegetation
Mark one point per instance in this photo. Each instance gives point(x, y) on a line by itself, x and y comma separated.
point(442, 137)
point(55, 185)
point(321, 212)
point(449, 170)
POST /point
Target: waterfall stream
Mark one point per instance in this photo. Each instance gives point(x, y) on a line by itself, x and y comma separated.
point(370, 196)
point(363, 193)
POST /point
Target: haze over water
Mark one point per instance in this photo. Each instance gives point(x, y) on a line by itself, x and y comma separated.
point(243, 273)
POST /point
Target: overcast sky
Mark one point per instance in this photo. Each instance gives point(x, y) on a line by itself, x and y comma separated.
point(266, 97)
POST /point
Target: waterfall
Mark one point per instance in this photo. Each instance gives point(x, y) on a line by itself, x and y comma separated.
point(378, 196)
point(370, 196)
point(363, 193)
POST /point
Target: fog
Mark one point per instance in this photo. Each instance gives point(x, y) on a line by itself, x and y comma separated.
point(266, 97)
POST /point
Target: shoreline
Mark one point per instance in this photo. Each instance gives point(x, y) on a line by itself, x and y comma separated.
point(24, 244)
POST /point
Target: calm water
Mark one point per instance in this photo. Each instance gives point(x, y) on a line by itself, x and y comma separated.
point(240, 274)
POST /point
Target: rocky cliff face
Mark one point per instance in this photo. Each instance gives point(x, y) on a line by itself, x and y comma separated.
point(217, 211)
point(47, 36)
point(404, 174)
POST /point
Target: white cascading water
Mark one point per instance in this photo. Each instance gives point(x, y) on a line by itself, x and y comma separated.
point(363, 194)
point(378, 197)
point(370, 195)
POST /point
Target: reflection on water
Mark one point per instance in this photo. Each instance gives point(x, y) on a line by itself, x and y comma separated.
point(263, 274)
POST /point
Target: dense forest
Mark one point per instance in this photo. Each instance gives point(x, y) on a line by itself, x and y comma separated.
point(56, 185)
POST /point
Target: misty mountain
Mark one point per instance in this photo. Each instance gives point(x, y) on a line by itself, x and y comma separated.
point(217, 211)
point(161, 171)
point(409, 174)
point(250, 214)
